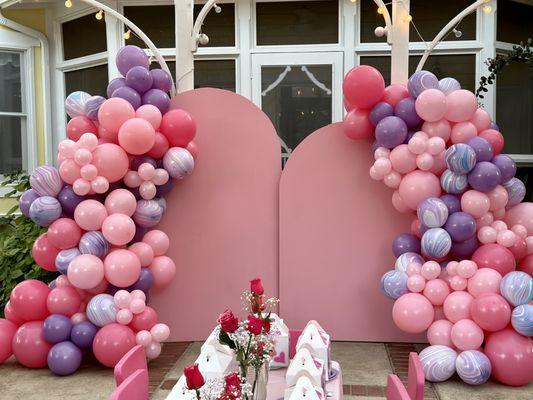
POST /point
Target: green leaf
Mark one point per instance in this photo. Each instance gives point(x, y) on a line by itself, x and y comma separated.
point(224, 338)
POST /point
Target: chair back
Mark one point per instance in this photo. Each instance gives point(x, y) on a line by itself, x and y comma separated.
point(132, 361)
point(134, 387)
point(395, 389)
point(415, 377)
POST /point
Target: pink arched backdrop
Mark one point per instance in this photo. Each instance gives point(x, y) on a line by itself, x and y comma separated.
point(334, 226)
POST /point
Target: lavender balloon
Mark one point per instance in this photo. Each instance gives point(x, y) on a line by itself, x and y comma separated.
point(494, 126)
point(404, 243)
point(461, 226)
point(432, 212)
point(26, 200)
point(92, 106)
point(148, 213)
point(485, 176)
point(129, 57)
point(460, 158)
point(420, 81)
point(436, 243)
point(114, 85)
point(64, 358)
point(506, 165)
point(452, 202)
point(45, 210)
point(178, 162)
point(453, 183)
point(516, 191)
point(394, 284)
point(448, 85)
point(473, 367)
point(380, 111)
point(82, 334)
point(64, 257)
point(157, 98)
point(45, 180)
point(463, 250)
point(522, 319)
point(139, 78)
point(407, 258)
point(145, 281)
point(482, 147)
point(101, 310)
point(438, 362)
point(517, 288)
point(75, 103)
point(56, 328)
point(405, 109)
point(68, 199)
point(128, 94)
point(94, 243)
point(391, 132)
point(161, 80)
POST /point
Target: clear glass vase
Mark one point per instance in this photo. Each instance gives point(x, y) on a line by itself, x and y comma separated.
point(258, 379)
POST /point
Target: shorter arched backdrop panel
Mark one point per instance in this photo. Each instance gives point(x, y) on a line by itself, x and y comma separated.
point(336, 226)
point(223, 219)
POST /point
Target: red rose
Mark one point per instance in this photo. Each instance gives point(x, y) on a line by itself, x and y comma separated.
point(228, 321)
point(254, 324)
point(233, 386)
point(266, 325)
point(256, 287)
point(194, 377)
point(257, 305)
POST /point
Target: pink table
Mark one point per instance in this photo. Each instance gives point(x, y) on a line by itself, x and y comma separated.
point(276, 384)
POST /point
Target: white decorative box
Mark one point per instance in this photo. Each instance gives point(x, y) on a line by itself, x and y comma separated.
point(215, 362)
point(304, 389)
point(180, 391)
point(280, 333)
point(315, 337)
point(304, 364)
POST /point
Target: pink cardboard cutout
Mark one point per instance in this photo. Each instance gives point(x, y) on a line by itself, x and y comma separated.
point(223, 219)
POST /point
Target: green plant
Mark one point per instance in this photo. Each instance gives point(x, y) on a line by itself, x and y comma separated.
point(17, 234)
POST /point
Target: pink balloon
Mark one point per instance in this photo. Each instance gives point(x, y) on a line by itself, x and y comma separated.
point(101, 287)
point(430, 270)
point(412, 313)
point(158, 240)
point(112, 162)
point(29, 346)
point(163, 269)
point(160, 177)
point(124, 316)
point(88, 172)
point(106, 136)
point(403, 161)
point(146, 171)
point(491, 312)
point(160, 146)
point(120, 201)
point(398, 203)
point(12, 316)
point(466, 269)
point(519, 249)
point(28, 300)
point(431, 105)
point(481, 119)
point(436, 291)
point(179, 127)
point(63, 300)
point(137, 306)
point(357, 124)
point(192, 148)
point(439, 333)
point(496, 257)
point(90, 214)
point(506, 238)
point(79, 125)
point(424, 161)
point(118, 229)
point(122, 298)
point(112, 342)
point(153, 350)
point(519, 230)
point(132, 179)
point(457, 306)
point(440, 128)
point(136, 136)
point(392, 179)
point(67, 148)
point(495, 139)
point(475, 203)
point(44, 252)
point(417, 186)
point(78, 317)
point(466, 335)
point(85, 271)
point(122, 267)
point(143, 338)
point(458, 283)
point(498, 198)
point(435, 146)
point(363, 86)
point(114, 112)
point(439, 164)
point(413, 269)
point(145, 320)
point(383, 166)
point(521, 214)
point(394, 93)
point(144, 252)
point(417, 145)
point(69, 171)
point(485, 280)
point(511, 356)
point(151, 114)
point(81, 187)
point(485, 220)
point(463, 131)
point(462, 104)
point(138, 294)
point(100, 184)
point(64, 233)
point(160, 332)
point(83, 156)
point(147, 190)
point(7, 331)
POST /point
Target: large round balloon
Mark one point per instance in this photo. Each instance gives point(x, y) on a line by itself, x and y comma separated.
point(29, 345)
point(363, 86)
point(438, 362)
point(7, 331)
point(417, 186)
point(473, 367)
point(413, 313)
point(64, 358)
point(496, 257)
point(111, 161)
point(28, 300)
point(112, 342)
point(45, 180)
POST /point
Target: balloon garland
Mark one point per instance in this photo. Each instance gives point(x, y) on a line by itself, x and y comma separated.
point(464, 272)
point(121, 157)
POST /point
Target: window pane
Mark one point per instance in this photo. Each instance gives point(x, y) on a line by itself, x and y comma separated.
point(297, 22)
point(429, 16)
point(214, 73)
point(83, 36)
point(11, 144)
point(220, 27)
point(514, 21)
point(525, 174)
point(156, 21)
point(91, 80)
point(514, 94)
point(10, 84)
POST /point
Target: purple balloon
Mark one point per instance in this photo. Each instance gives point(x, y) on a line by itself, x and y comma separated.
point(64, 358)
point(165, 189)
point(69, 200)
point(112, 289)
point(380, 111)
point(452, 202)
point(410, 134)
point(145, 281)
point(494, 126)
point(404, 243)
point(52, 284)
point(114, 85)
point(64, 257)
point(463, 250)
point(137, 161)
point(405, 109)
point(28, 197)
point(506, 165)
point(129, 57)
point(482, 147)
point(461, 226)
point(56, 328)
point(140, 79)
point(374, 147)
point(82, 334)
point(128, 94)
point(516, 191)
point(485, 176)
point(161, 80)
point(391, 132)
point(157, 98)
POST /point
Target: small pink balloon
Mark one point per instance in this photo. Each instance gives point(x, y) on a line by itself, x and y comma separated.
point(78, 317)
point(416, 283)
point(431, 105)
point(137, 306)
point(462, 132)
point(402, 159)
point(436, 291)
point(147, 190)
point(132, 179)
point(457, 306)
point(413, 313)
point(458, 283)
point(160, 177)
point(88, 172)
point(122, 268)
point(383, 166)
point(499, 226)
point(138, 294)
point(425, 161)
point(439, 333)
point(485, 280)
point(430, 270)
point(122, 298)
point(481, 120)
point(69, 171)
point(160, 332)
point(153, 350)
point(435, 145)
point(163, 269)
point(85, 271)
point(158, 240)
point(143, 338)
point(118, 229)
point(144, 252)
point(100, 184)
point(90, 214)
point(485, 220)
point(475, 203)
point(462, 104)
point(62, 281)
point(440, 128)
point(67, 148)
point(382, 152)
point(124, 316)
point(121, 201)
point(413, 269)
point(519, 230)
point(88, 141)
point(466, 335)
point(83, 157)
point(392, 179)
point(451, 268)
point(151, 114)
point(374, 174)
point(417, 145)
point(146, 171)
point(466, 269)
point(498, 198)
point(81, 187)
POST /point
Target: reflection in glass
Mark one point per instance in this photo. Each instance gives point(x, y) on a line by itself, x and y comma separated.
point(156, 21)
point(515, 21)
point(11, 144)
point(10, 83)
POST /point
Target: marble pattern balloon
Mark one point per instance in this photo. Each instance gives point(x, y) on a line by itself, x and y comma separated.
point(162, 203)
point(448, 85)
point(432, 212)
point(420, 81)
point(94, 243)
point(408, 258)
point(178, 162)
point(92, 105)
point(45, 210)
point(460, 158)
point(438, 362)
point(45, 180)
point(522, 319)
point(148, 213)
point(64, 257)
point(101, 310)
point(517, 288)
point(516, 191)
point(453, 182)
point(394, 284)
point(75, 103)
point(436, 243)
point(473, 367)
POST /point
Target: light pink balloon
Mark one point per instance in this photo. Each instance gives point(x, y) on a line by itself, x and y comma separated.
point(458, 283)
point(392, 179)
point(463, 131)
point(485, 220)
point(122, 268)
point(132, 179)
point(163, 269)
point(160, 332)
point(374, 174)
point(519, 230)
point(83, 157)
point(521, 214)
point(435, 146)
point(431, 105)
point(462, 104)
point(105, 136)
point(153, 350)
point(383, 166)
point(506, 238)
point(67, 148)
point(398, 203)
point(90, 214)
point(114, 112)
point(144, 251)
point(466, 268)
point(413, 269)
point(499, 214)
point(69, 171)
point(466, 335)
point(402, 159)
point(412, 313)
point(425, 161)
point(394, 93)
point(151, 114)
point(88, 141)
point(88, 172)
point(100, 184)
point(118, 229)
point(85, 271)
point(439, 333)
point(81, 187)
point(122, 298)
point(111, 160)
point(451, 268)
point(417, 145)
point(481, 119)
point(475, 203)
point(417, 186)
point(498, 198)
point(143, 338)
point(136, 136)
point(416, 283)
point(62, 280)
point(124, 316)
point(78, 317)
point(441, 128)
point(457, 306)
point(120, 201)
point(485, 280)
point(436, 291)
point(137, 306)
point(146, 171)
point(430, 270)
point(160, 177)
point(439, 164)
point(382, 152)
point(147, 190)
point(158, 240)
point(138, 294)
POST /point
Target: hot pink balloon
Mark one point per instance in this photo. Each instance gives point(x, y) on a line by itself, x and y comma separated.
point(122, 268)
point(440, 128)
point(521, 214)
point(85, 271)
point(29, 346)
point(485, 280)
point(466, 335)
point(64, 233)
point(394, 93)
point(7, 331)
point(417, 186)
point(120, 201)
point(112, 342)
point(491, 312)
point(111, 160)
point(412, 313)
point(158, 240)
point(439, 333)
point(160, 146)
point(494, 256)
point(144, 252)
point(436, 291)
point(462, 104)
point(457, 306)
point(28, 300)
point(431, 105)
point(12, 316)
point(136, 136)
point(357, 124)
point(145, 320)
point(475, 203)
point(163, 270)
point(90, 214)
point(151, 114)
point(179, 127)
point(63, 300)
point(114, 112)
point(79, 125)
point(363, 86)
point(118, 229)
point(44, 252)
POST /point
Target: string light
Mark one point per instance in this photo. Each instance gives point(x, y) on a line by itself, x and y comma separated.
point(99, 15)
point(487, 9)
point(381, 10)
point(409, 18)
point(457, 33)
point(127, 34)
point(68, 3)
point(218, 10)
point(353, 1)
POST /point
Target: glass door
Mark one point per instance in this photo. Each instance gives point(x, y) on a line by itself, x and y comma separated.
point(300, 92)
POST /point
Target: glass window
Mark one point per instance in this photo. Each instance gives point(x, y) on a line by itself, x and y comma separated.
point(525, 174)
point(92, 80)
point(11, 148)
point(219, 27)
point(83, 36)
point(10, 82)
point(514, 21)
point(514, 102)
point(297, 22)
point(214, 73)
point(429, 16)
point(156, 21)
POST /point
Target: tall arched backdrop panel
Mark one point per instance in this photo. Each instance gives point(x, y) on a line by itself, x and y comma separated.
point(223, 219)
point(336, 226)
